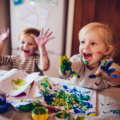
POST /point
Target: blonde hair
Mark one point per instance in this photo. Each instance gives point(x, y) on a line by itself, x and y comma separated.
point(104, 31)
point(29, 31)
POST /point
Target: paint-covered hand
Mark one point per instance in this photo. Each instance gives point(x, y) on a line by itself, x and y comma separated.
point(4, 35)
point(43, 38)
point(104, 72)
point(66, 67)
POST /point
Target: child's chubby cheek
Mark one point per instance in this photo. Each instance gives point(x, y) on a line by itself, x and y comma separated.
point(100, 53)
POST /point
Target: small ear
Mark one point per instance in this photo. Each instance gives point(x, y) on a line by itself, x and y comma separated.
point(108, 50)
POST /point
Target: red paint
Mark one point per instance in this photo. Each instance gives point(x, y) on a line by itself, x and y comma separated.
point(51, 109)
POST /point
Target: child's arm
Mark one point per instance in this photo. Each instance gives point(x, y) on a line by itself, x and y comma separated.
point(110, 75)
point(41, 40)
point(3, 38)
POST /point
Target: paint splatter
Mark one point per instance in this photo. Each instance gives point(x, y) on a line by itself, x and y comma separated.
point(117, 111)
point(100, 53)
point(77, 101)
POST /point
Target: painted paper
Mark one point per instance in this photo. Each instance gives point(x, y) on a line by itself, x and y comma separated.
point(33, 15)
point(64, 97)
point(19, 87)
point(16, 81)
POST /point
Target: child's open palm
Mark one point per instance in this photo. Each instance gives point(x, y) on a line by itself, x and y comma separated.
point(4, 35)
point(104, 72)
point(42, 39)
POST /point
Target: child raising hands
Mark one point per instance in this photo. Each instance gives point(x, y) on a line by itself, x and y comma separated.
point(93, 65)
point(31, 40)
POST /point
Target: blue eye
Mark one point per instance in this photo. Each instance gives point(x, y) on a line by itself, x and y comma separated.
point(82, 42)
point(94, 43)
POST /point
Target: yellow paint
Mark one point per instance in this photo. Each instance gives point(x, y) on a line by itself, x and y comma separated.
point(40, 117)
point(18, 82)
point(15, 88)
point(92, 115)
point(20, 100)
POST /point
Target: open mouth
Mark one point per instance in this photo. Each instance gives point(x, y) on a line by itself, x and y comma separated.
point(26, 51)
point(87, 57)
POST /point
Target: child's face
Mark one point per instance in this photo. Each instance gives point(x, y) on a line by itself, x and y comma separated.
point(27, 46)
point(92, 48)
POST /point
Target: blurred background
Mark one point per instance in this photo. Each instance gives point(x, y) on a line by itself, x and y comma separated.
point(64, 17)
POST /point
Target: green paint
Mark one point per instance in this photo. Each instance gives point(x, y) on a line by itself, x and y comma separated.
point(100, 75)
point(40, 110)
point(85, 62)
point(105, 78)
point(79, 118)
point(27, 107)
point(65, 65)
point(63, 115)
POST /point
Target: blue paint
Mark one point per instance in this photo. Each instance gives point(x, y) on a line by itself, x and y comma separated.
point(117, 111)
point(105, 69)
point(92, 76)
point(18, 2)
point(102, 104)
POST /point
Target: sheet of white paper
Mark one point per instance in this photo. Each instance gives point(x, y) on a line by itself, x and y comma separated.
point(10, 85)
point(35, 92)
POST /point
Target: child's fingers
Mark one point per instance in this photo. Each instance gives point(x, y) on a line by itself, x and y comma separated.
point(2, 30)
point(92, 76)
point(102, 64)
point(50, 38)
point(49, 34)
point(47, 31)
point(41, 32)
point(114, 76)
point(33, 36)
point(109, 64)
point(111, 70)
point(67, 72)
point(8, 30)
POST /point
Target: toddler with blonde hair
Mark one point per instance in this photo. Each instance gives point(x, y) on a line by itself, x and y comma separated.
point(33, 57)
point(94, 62)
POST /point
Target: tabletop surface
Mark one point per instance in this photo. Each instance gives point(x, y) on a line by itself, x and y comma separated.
point(107, 108)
